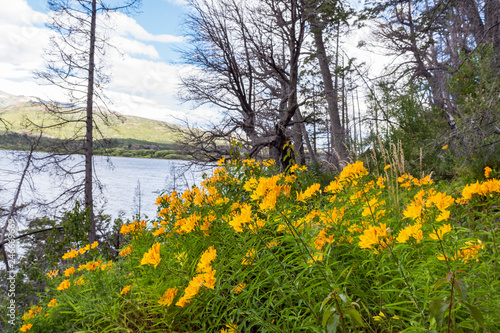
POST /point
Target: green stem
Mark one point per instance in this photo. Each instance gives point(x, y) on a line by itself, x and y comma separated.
point(407, 282)
point(451, 301)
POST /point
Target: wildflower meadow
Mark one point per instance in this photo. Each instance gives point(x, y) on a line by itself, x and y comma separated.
point(255, 250)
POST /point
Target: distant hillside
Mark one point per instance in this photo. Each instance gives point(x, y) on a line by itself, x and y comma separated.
point(130, 136)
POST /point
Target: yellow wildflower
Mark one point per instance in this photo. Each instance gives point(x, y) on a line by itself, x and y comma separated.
point(334, 187)
point(168, 297)
point(239, 288)
point(443, 216)
point(445, 147)
point(159, 231)
point(69, 271)
point(441, 200)
point(80, 281)
point(152, 257)
point(413, 211)
point(26, 327)
point(250, 184)
point(249, 257)
point(52, 274)
point(64, 285)
point(241, 219)
point(32, 313)
point(91, 266)
point(377, 236)
point(440, 232)
point(126, 251)
point(487, 172)
point(322, 239)
point(209, 278)
point(191, 290)
point(309, 192)
point(413, 231)
point(186, 225)
point(206, 258)
point(232, 327)
point(388, 166)
point(70, 254)
point(125, 290)
point(53, 302)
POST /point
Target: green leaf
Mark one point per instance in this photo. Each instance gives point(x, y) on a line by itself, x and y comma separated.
point(476, 313)
point(332, 324)
point(439, 283)
point(462, 288)
point(324, 302)
point(327, 314)
point(437, 307)
point(355, 316)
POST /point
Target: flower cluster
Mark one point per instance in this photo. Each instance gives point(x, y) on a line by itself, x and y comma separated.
point(241, 237)
point(133, 227)
point(152, 257)
point(206, 278)
point(73, 253)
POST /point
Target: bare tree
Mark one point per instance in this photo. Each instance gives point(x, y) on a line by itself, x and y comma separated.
point(247, 59)
point(323, 15)
point(75, 64)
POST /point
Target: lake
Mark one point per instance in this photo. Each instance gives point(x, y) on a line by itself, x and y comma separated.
point(121, 178)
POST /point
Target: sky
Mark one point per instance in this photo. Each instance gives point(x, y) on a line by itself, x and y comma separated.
point(145, 73)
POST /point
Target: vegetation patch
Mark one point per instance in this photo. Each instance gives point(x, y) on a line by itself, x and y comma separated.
point(254, 250)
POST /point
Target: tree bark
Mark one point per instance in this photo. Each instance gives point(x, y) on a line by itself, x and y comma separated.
point(89, 202)
point(338, 135)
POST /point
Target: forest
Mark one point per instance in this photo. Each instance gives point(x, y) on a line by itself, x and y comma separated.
point(339, 200)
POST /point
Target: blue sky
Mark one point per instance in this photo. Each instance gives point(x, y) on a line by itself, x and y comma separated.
point(145, 73)
point(158, 17)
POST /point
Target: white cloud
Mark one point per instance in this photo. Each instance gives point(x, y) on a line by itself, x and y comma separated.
point(125, 25)
point(177, 2)
point(19, 12)
point(22, 44)
point(133, 47)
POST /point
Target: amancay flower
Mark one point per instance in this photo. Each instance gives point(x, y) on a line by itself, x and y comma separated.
point(239, 288)
point(487, 172)
point(239, 221)
point(69, 271)
point(53, 302)
point(32, 313)
point(152, 257)
point(52, 274)
point(375, 238)
point(125, 290)
point(64, 285)
point(309, 192)
point(440, 232)
point(413, 231)
point(249, 257)
point(126, 251)
point(71, 254)
point(168, 297)
point(206, 259)
point(26, 327)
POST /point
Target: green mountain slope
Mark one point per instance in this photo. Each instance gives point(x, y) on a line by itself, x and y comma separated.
point(130, 136)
